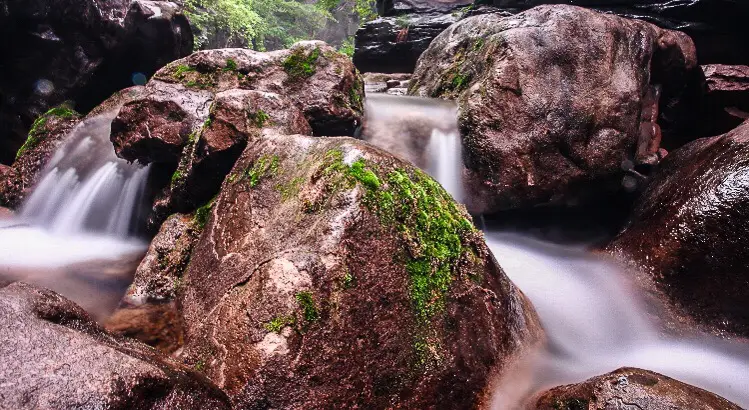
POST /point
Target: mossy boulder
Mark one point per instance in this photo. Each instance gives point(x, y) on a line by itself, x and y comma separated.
point(330, 274)
point(553, 100)
point(629, 388)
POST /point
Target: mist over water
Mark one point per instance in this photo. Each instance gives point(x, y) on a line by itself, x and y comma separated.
point(76, 232)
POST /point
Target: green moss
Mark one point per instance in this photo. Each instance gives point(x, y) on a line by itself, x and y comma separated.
point(176, 177)
point(231, 65)
point(203, 213)
point(280, 322)
point(460, 81)
point(37, 131)
point(355, 94)
point(309, 309)
point(348, 280)
point(181, 70)
point(290, 189)
point(259, 118)
point(207, 122)
point(425, 217)
point(199, 366)
point(265, 165)
point(300, 65)
point(478, 44)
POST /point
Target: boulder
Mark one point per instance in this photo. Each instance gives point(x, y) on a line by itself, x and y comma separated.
point(329, 274)
point(687, 232)
point(199, 113)
point(55, 356)
point(543, 121)
point(726, 101)
point(5, 213)
point(79, 50)
point(629, 388)
point(718, 27)
point(394, 44)
point(397, 7)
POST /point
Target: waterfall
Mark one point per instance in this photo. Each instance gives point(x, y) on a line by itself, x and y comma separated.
point(85, 188)
point(420, 130)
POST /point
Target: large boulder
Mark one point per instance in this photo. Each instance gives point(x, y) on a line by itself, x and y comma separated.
point(330, 274)
point(543, 120)
point(80, 50)
point(396, 7)
point(687, 232)
point(55, 356)
point(718, 27)
point(629, 388)
point(197, 114)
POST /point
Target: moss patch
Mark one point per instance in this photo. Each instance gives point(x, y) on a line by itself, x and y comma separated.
point(280, 322)
point(307, 303)
point(571, 404)
point(301, 65)
point(265, 165)
point(290, 189)
point(231, 65)
point(38, 132)
point(203, 213)
point(259, 118)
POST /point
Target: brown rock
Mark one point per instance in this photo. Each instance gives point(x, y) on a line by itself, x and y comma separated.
point(554, 99)
point(687, 232)
point(726, 99)
point(330, 274)
point(630, 388)
point(55, 356)
point(5, 213)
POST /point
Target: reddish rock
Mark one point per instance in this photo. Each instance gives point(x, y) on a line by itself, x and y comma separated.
point(317, 282)
point(55, 356)
point(726, 99)
point(544, 121)
point(687, 232)
point(629, 388)
point(5, 213)
point(81, 51)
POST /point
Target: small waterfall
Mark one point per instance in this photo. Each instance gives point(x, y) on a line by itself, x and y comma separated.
point(595, 323)
point(423, 131)
point(86, 188)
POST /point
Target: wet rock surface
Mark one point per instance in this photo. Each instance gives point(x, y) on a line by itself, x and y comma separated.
point(394, 44)
point(726, 98)
point(630, 388)
point(55, 356)
point(393, 84)
point(687, 231)
point(81, 51)
point(717, 26)
point(543, 122)
point(198, 113)
point(396, 7)
point(300, 290)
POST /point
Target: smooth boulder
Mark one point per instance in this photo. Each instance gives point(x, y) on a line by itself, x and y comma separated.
point(79, 50)
point(544, 120)
point(55, 356)
point(688, 232)
point(629, 388)
point(330, 274)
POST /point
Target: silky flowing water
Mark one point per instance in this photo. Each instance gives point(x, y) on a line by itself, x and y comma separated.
point(76, 232)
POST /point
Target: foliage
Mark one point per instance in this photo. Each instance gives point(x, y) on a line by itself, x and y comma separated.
point(259, 24)
point(347, 47)
point(267, 24)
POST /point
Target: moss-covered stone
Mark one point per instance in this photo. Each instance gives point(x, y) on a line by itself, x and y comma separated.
point(300, 64)
point(37, 131)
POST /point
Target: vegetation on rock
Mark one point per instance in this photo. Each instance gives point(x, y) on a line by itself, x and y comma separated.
point(36, 133)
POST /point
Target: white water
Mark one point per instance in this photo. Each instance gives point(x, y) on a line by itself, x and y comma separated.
point(421, 130)
point(75, 233)
point(595, 324)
